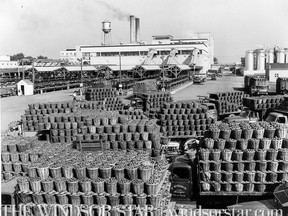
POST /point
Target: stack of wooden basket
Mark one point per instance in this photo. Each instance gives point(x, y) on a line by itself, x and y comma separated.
point(184, 118)
point(244, 158)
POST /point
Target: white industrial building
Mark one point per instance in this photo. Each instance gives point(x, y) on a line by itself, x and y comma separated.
point(275, 70)
point(69, 55)
point(164, 49)
point(6, 63)
point(257, 61)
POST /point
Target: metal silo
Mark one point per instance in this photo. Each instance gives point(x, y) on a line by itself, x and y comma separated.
point(132, 29)
point(260, 59)
point(286, 55)
point(249, 60)
point(270, 55)
point(280, 56)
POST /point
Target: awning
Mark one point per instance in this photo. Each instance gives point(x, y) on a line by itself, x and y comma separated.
point(46, 69)
point(183, 67)
point(123, 67)
point(151, 67)
point(78, 68)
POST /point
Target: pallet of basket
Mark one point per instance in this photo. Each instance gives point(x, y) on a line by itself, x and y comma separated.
point(113, 178)
point(99, 94)
point(41, 121)
point(243, 159)
point(263, 102)
point(154, 100)
point(145, 86)
point(184, 118)
point(15, 153)
point(234, 97)
point(115, 131)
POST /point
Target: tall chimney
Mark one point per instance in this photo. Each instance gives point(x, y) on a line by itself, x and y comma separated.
point(137, 22)
point(132, 29)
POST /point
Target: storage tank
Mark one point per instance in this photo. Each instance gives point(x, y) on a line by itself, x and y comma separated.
point(286, 55)
point(260, 59)
point(249, 60)
point(280, 56)
point(137, 28)
point(270, 56)
point(132, 29)
point(106, 27)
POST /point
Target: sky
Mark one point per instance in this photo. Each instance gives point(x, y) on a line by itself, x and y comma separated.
point(45, 27)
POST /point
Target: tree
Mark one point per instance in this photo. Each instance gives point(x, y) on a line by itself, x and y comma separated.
point(17, 57)
point(243, 61)
point(42, 57)
point(215, 60)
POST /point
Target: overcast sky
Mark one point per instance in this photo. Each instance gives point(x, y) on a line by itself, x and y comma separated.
point(45, 27)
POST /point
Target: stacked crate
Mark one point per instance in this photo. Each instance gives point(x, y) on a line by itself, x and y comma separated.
point(106, 178)
point(15, 155)
point(114, 130)
point(245, 158)
point(155, 100)
point(184, 118)
point(263, 102)
point(227, 102)
point(145, 86)
point(282, 85)
point(247, 80)
point(37, 115)
point(99, 94)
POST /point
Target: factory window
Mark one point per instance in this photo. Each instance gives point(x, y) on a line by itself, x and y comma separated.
point(109, 54)
point(276, 75)
point(165, 52)
point(186, 52)
point(130, 53)
point(143, 53)
point(86, 54)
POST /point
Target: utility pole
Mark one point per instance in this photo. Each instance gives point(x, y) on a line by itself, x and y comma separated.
point(81, 78)
point(33, 72)
point(120, 72)
point(23, 76)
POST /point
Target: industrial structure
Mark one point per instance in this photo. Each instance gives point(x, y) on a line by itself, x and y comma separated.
point(164, 50)
point(264, 61)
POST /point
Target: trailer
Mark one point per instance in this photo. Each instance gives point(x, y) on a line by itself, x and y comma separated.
point(282, 85)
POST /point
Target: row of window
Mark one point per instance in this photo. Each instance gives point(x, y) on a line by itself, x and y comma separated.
point(136, 53)
point(68, 54)
point(9, 63)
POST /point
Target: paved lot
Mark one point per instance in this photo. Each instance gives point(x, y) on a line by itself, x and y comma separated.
point(222, 84)
point(13, 107)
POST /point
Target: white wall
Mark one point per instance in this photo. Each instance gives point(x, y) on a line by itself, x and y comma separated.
point(272, 75)
point(28, 89)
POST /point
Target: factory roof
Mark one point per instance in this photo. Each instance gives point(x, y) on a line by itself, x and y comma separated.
point(46, 69)
point(123, 67)
point(151, 67)
point(78, 68)
point(183, 67)
point(278, 66)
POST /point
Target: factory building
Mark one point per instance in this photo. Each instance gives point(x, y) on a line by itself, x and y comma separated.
point(197, 52)
point(69, 55)
point(265, 61)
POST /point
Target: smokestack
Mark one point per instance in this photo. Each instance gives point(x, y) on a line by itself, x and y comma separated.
point(132, 29)
point(137, 22)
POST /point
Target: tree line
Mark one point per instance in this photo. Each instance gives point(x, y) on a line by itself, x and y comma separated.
point(27, 60)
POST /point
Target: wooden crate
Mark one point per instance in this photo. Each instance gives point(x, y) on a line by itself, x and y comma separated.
point(93, 145)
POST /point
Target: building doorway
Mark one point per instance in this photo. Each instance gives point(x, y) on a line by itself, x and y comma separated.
point(22, 89)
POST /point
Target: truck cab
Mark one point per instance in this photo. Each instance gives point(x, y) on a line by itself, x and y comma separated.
point(246, 115)
point(277, 117)
point(181, 180)
point(212, 111)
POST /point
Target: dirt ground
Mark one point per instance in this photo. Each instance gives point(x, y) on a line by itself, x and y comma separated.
point(13, 107)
